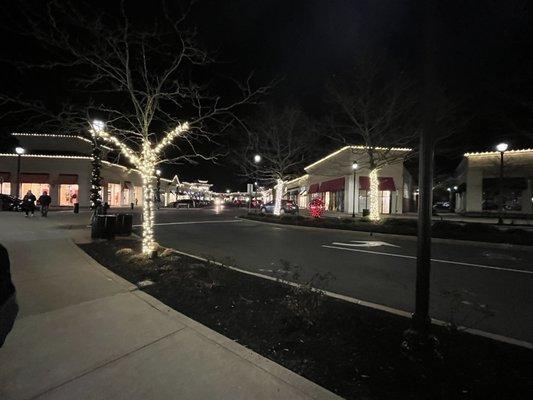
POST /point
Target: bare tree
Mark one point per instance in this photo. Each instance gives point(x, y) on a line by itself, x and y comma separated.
point(140, 79)
point(373, 107)
point(275, 147)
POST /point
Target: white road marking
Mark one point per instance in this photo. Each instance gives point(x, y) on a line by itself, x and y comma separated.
point(433, 259)
point(195, 222)
point(367, 243)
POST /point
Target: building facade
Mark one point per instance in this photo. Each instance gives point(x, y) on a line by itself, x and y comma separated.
point(346, 190)
point(478, 182)
point(61, 165)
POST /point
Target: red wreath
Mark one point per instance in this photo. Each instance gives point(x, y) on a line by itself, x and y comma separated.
point(317, 207)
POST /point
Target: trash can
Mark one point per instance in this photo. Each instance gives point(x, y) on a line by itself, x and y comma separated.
point(124, 224)
point(104, 227)
point(76, 208)
point(366, 212)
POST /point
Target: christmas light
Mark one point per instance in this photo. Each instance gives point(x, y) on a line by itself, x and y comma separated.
point(374, 195)
point(279, 195)
point(146, 162)
point(399, 149)
point(493, 153)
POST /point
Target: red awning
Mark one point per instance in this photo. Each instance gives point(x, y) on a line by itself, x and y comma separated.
point(313, 188)
point(333, 185)
point(68, 179)
point(385, 183)
point(4, 176)
point(34, 178)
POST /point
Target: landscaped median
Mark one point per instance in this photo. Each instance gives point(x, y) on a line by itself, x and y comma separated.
point(349, 349)
point(478, 232)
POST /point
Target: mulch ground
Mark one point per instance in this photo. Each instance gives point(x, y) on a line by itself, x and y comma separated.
point(351, 350)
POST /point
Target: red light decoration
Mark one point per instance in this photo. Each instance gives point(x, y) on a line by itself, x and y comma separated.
point(317, 207)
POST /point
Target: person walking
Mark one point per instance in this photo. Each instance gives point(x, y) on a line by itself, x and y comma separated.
point(28, 203)
point(44, 201)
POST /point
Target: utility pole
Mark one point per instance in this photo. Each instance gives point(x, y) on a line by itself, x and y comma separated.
point(418, 337)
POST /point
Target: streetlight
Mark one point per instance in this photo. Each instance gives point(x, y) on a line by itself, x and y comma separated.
point(257, 158)
point(354, 168)
point(502, 148)
point(20, 151)
point(98, 126)
point(158, 193)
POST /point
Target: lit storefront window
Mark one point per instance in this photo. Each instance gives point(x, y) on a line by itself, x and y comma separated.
point(5, 188)
point(36, 188)
point(68, 195)
point(113, 194)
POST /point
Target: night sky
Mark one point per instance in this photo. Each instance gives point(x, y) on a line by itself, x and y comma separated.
point(485, 61)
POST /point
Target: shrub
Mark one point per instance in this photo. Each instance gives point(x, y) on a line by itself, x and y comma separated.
point(480, 228)
point(347, 220)
point(364, 219)
point(124, 252)
point(447, 227)
point(400, 222)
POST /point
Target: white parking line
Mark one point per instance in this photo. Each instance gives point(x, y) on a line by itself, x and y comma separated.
point(195, 222)
point(337, 246)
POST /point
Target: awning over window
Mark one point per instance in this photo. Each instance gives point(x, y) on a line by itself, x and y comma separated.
point(68, 179)
point(516, 183)
point(4, 176)
point(385, 183)
point(34, 178)
point(333, 185)
point(314, 188)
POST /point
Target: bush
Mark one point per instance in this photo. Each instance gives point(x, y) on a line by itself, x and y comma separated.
point(447, 227)
point(400, 222)
point(480, 228)
point(347, 220)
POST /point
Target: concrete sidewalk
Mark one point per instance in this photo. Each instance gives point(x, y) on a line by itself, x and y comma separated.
point(85, 333)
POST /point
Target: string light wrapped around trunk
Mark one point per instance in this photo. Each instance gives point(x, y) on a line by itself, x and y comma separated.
point(279, 195)
point(374, 195)
point(146, 163)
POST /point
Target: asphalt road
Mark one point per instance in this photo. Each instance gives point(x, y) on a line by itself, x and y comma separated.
point(468, 278)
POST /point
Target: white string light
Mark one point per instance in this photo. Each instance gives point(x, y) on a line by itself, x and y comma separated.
point(279, 195)
point(146, 163)
point(374, 195)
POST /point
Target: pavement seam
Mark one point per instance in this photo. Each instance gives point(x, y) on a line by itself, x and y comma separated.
point(391, 310)
point(108, 362)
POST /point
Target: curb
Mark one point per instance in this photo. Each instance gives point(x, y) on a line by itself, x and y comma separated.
point(380, 307)
point(408, 237)
point(300, 383)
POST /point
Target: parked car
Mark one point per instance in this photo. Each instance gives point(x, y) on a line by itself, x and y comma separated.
point(442, 205)
point(185, 203)
point(256, 203)
point(10, 203)
point(287, 207)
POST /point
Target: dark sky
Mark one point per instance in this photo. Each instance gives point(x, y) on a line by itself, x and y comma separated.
point(484, 59)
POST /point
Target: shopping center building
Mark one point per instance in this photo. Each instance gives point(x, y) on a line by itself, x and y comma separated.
point(478, 182)
point(61, 165)
point(346, 190)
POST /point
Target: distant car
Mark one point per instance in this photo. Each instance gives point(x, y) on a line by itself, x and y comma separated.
point(442, 205)
point(185, 203)
point(287, 207)
point(10, 203)
point(256, 203)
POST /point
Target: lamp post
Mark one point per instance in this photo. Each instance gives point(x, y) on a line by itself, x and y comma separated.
point(158, 192)
point(502, 148)
point(354, 168)
point(20, 151)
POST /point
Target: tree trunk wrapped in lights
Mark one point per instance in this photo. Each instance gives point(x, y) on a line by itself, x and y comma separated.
point(279, 195)
point(146, 162)
point(374, 195)
point(96, 179)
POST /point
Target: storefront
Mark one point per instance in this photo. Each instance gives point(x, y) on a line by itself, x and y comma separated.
point(347, 191)
point(478, 182)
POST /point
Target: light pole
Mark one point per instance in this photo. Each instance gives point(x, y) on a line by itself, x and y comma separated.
point(502, 148)
point(20, 151)
point(354, 168)
point(158, 193)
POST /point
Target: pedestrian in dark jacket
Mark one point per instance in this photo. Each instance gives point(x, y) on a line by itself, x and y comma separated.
point(44, 201)
point(8, 304)
point(28, 203)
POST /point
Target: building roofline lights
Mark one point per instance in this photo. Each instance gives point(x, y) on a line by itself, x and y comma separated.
point(493, 153)
point(57, 135)
point(46, 156)
point(404, 149)
point(296, 179)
